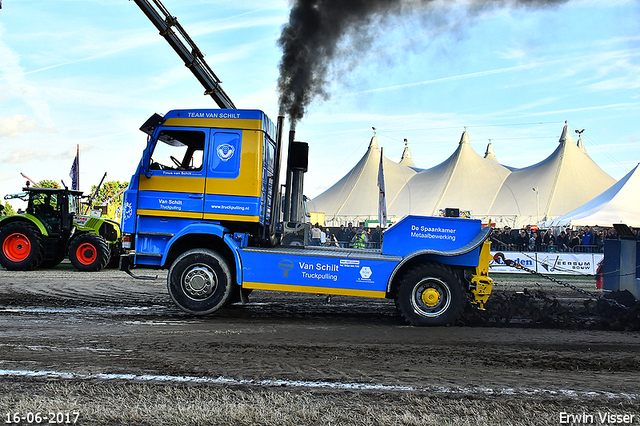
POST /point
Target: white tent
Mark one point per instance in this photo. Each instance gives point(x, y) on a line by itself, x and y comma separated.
point(465, 181)
point(563, 181)
point(355, 196)
point(618, 204)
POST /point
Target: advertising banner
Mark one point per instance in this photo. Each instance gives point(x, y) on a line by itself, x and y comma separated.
point(549, 263)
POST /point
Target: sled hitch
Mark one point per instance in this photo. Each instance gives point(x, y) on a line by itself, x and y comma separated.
point(481, 284)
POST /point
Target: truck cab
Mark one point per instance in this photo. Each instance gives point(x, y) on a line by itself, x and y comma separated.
point(207, 167)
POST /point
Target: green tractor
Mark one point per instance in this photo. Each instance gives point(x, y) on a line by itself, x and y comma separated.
point(52, 228)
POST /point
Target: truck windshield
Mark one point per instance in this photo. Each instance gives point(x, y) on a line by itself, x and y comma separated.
point(178, 150)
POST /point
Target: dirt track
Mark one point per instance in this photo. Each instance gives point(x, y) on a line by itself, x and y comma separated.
point(87, 324)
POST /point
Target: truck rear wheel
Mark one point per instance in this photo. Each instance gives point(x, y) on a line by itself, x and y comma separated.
point(430, 294)
point(199, 282)
point(21, 247)
point(89, 252)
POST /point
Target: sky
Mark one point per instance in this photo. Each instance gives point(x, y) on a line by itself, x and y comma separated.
point(90, 72)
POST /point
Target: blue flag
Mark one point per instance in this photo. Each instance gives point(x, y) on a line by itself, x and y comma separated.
point(74, 174)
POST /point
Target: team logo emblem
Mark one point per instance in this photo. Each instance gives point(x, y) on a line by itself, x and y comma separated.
point(225, 152)
point(128, 211)
point(365, 272)
point(285, 266)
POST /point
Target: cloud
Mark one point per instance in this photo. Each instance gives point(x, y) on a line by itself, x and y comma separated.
point(22, 155)
point(116, 42)
point(17, 86)
point(16, 125)
point(466, 76)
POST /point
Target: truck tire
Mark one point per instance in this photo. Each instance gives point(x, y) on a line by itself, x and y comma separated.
point(89, 252)
point(199, 282)
point(21, 247)
point(430, 294)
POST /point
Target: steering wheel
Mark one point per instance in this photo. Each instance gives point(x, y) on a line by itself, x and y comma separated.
point(175, 161)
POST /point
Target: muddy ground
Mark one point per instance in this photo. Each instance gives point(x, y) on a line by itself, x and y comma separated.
point(537, 342)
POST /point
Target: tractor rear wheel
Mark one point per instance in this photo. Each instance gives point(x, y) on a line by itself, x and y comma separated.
point(430, 294)
point(89, 252)
point(200, 282)
point(21, 246)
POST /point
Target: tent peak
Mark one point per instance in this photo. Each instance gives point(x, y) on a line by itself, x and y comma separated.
point(489, 149)
point(406, 155)
point(490, 154)
point(464, 139)
point(566, 135)
point(374, 140)
point(581, 146)
point(580, 143)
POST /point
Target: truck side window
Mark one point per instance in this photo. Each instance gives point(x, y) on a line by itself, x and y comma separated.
point(224, 158)
point(178, 150)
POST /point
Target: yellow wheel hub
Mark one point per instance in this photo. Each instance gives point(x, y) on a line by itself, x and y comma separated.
point(430, 297)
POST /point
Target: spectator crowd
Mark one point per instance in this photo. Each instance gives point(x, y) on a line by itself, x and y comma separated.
point(529, 238)
point(346, 236)
point(582, 240)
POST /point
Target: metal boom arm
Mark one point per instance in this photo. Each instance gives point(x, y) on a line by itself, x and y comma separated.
point(193, 58)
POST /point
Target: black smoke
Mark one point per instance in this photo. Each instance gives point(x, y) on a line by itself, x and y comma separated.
point(310, 39)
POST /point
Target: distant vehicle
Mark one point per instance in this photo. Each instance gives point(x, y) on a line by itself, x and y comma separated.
point(52, 229)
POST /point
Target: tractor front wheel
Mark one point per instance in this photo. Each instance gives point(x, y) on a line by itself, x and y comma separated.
point(21, 247)
point(89, 252)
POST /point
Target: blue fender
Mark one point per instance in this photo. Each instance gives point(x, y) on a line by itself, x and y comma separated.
point(194, 228)
point(466, 255)
point(211, 229)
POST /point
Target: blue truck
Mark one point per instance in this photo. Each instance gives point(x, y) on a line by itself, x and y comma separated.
point(205, 203)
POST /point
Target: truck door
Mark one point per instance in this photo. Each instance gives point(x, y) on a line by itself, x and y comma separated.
point(173, 184)
point(234, 174)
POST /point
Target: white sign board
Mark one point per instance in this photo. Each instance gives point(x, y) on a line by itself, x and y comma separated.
point(549, 263)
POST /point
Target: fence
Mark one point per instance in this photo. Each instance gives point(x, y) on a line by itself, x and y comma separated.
point(499, 246)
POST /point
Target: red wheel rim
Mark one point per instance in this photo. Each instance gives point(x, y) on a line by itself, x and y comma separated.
point(86, 253)
point(16, 247)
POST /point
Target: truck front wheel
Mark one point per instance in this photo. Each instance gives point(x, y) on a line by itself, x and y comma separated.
point(199, 282)
point(430, 294)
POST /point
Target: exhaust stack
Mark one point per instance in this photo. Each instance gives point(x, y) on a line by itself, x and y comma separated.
point(297, 164)
point(275, 191)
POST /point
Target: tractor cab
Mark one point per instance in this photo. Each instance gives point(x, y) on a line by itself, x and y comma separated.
point(53, 207)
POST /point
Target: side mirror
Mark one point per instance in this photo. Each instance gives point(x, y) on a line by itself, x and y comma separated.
point(145, 170)
point(146, 160)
